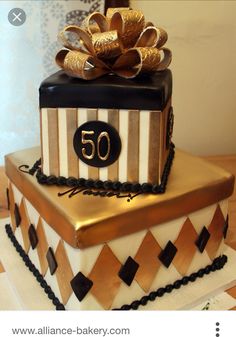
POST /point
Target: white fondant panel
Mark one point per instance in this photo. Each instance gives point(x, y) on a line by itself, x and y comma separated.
point(88, 303)
point(127, 294)
point(19, 237)
point(82, 259)
point(130, 244)
point(143, 146)
point(202, 217)
point(32, 213)
point(167, 231)
point(17, 195)
point(45, 141)
point(63, 152)
point(123, 131)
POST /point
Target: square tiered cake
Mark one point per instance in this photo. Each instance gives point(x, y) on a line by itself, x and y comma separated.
point(94, 219)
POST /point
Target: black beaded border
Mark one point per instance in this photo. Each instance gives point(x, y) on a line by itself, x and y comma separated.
point(105, 185)
point(39, 277)
point(217, 264)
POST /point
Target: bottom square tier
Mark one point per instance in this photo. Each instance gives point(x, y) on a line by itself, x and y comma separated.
point(136, 265)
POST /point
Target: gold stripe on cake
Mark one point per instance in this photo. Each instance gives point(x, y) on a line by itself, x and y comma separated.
point(64, 272)
point(2, 270)
point(71, 119)
point(42, 247)
point(53, 141)
point(93, 172)
point(133, 146)
point(25, 224)
point(12, 207)
point(154, 147)
point(113, 119)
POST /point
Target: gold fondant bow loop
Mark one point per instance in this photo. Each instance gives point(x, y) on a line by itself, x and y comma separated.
point(120, 42)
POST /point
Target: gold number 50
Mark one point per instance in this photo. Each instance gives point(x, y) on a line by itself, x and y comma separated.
point(93, 147)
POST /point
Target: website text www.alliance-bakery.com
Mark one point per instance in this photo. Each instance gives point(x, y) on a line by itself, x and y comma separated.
point(91, 331)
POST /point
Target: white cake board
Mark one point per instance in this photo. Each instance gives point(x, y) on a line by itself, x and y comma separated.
point(21, 291)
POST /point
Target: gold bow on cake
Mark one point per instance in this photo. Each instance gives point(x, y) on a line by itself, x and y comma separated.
point(120, 42)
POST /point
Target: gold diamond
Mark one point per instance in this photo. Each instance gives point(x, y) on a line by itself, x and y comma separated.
point(186, 247)
point(64, 272)
point(216, 231)
point(147, 258)
point(104, 275)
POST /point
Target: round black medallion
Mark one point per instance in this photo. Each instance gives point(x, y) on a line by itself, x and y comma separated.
point(97, 143)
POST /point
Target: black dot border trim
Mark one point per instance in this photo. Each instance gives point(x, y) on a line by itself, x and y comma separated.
point(38, 276)
point(104, 185)
point(217, 264)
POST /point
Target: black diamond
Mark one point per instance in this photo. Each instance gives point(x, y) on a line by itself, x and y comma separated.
point(128, 271)
point(33, 236)
point(17, 216)
point(8, 199)
point(81, 285)
point(52, 263)
point(202, 239)
point(226, 227)
point(168, 253)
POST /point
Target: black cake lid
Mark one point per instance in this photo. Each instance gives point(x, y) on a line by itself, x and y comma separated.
point(146, 92)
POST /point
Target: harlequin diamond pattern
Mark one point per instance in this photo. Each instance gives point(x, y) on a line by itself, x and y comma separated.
point(104, 281)
point(104, 276)
point(216, 230)
point(148, 262)
point(186, 247)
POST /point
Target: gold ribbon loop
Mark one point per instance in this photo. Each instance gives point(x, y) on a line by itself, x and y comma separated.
point(162, 38)
point(129, 24)
point(166, 57)
point(148, 38)
point(107, 45)
point(100, 21)
point(111, 11)
point(120, 42)
point(79, 64)
point(82, 36)
point(137, 60)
